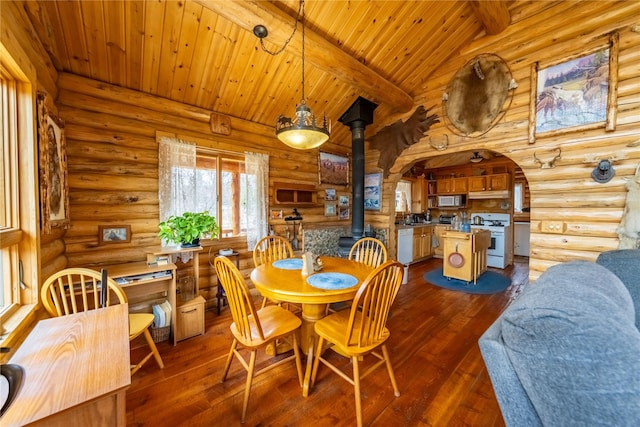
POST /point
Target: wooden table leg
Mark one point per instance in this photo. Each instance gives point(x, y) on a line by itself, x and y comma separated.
point(311, 313)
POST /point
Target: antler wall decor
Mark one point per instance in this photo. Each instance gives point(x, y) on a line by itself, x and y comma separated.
point(392, 140)
point(548, 164)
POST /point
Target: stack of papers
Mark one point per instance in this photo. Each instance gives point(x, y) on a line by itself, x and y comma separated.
point(161, 314)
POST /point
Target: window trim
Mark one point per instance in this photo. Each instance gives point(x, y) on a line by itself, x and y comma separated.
point(22, 315)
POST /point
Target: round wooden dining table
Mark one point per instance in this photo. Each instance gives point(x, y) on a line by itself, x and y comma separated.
point(289, 285)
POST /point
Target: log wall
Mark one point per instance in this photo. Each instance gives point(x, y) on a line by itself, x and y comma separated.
point(113, 171)
point(590, 211)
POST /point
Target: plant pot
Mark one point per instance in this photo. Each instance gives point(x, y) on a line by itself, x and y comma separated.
point(193, 244)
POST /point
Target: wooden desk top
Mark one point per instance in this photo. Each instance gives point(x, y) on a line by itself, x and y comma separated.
point(70, 360)
point(290, 286)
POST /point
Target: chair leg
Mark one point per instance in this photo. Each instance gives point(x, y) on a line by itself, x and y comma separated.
point(316, 361)
point(296, 352)
point(234, 344)
point(385, 353)
point(247, 388)
point(154, 349)
point(356, 386)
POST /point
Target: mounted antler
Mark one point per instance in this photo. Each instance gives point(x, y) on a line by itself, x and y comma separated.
point(548, 164)
point(392, 140)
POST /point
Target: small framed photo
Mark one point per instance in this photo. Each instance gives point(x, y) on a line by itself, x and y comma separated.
point(330, 209)
point(343, 201)
point(344, 212)
point(276, 213)
point(114, 234)
point(330, 194)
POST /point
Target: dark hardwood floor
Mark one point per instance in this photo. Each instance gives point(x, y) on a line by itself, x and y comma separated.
point(433, 346)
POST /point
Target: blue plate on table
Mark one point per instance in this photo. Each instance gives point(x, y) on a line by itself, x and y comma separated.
point(332, 281)
point(289, 264)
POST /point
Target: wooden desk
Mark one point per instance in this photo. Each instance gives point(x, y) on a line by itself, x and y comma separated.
point(76, 371)
point(143, 292)
point(177, 250)
point(290, 286)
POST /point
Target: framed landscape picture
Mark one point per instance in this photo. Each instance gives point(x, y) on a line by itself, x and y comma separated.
point(333, 169)
point(114, 234)
point(373, 191)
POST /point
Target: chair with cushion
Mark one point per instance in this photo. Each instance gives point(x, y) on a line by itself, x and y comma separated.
point(269, 249)
point(361, 331)
point(566, 352)
point(254, 329)
point(75, 290)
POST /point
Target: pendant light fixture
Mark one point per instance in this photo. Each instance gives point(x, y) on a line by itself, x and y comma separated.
point(302, 131)
point(476, 158)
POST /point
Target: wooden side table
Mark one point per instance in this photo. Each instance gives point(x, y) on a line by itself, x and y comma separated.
point(220, 295)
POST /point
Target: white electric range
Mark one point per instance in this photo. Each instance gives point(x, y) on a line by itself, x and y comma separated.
point(500, 227)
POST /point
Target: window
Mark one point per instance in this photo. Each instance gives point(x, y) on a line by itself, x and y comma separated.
point(221, 188)
point(403, 196)
point(518, 197)
point(18, 225)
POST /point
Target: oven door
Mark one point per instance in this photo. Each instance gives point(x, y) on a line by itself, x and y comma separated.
point(497, 244)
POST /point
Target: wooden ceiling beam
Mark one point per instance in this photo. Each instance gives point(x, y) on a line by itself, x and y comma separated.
point(494, 14)
point(319, 52)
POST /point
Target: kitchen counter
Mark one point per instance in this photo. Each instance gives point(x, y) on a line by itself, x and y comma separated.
point(76, 371)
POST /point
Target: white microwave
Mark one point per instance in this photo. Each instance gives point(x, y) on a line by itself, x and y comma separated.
point(450, 201)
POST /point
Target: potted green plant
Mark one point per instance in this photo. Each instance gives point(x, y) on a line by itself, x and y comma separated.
point(188, 228)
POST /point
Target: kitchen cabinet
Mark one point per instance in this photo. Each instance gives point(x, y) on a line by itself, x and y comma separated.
point(418, 195)
point(452, 186)
point(499, 182)
point(421, 242)
point(439, 231)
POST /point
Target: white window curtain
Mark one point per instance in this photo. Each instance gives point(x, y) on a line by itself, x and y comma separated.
point(176, 179)
point(257, 219)
point(403, 199)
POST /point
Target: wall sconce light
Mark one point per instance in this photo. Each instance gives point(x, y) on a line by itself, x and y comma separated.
point(603, 172)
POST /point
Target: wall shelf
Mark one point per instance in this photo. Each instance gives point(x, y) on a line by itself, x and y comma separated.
point(294, 194)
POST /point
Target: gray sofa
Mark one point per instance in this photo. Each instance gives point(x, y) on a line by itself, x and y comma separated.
point(567, 351)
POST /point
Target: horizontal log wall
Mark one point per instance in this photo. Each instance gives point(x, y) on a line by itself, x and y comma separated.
point(113, 171)
point(590, 211)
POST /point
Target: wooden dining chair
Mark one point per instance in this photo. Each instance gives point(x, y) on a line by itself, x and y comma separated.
point(361, 331)
point(370, 251)
point(269, 249)
point(254, 329)
point(74, 290)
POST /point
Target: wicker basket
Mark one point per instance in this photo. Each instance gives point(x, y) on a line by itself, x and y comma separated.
point(160, 334)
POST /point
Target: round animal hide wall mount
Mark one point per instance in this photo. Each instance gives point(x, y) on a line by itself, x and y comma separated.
point(478, 95)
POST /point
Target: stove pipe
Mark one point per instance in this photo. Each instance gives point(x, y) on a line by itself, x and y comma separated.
point(357, 117)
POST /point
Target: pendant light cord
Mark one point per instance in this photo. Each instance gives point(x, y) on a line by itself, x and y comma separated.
point(295, 27)
point(302, 7)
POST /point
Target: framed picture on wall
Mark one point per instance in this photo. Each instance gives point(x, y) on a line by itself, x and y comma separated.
point(114, 234)
point(373, 191)
point(54, 188)
point(330, 209)
point(343, 200)
point(576, 93)
point(333, 168)
point(344, 212)
point(330, 194)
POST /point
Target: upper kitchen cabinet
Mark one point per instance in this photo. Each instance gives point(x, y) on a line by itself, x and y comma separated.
point(489, 182)
point(452, 186)
point(418, 195)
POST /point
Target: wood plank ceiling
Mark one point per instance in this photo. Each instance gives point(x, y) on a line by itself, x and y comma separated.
point(204, 52)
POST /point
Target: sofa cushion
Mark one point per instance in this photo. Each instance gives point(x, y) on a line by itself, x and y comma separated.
point(572, 341)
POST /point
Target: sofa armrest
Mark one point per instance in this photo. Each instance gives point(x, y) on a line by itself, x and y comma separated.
point(625, 263)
